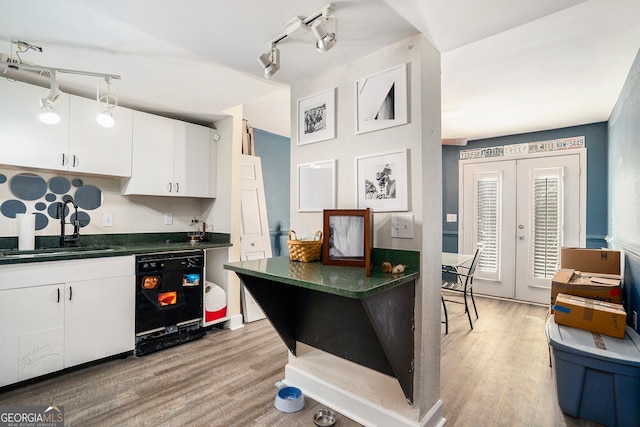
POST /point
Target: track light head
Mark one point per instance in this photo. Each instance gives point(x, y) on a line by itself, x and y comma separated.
point(48, 116)
point(324, 39)
point(105, 119)
point(270, 61)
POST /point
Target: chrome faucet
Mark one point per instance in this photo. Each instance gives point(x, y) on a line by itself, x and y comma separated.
point(68, 240)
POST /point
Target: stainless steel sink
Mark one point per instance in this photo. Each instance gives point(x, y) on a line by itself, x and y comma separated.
point(53, 252)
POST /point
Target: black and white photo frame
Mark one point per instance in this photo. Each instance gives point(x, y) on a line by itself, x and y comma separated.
point(381, 100)
point(382, 182)
point(317, 117)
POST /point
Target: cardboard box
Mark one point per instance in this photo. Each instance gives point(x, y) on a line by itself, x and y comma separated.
point(587, 285)
point(602, 261)
point(592, 315)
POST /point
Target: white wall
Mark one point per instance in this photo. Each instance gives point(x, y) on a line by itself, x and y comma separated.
point(270, 112)
point(421, 136)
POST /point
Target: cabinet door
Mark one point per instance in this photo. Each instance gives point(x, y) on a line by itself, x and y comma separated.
point(152, 160)
point(31, 332)
point(99, 319)
point(95, 149)
point(24, 139)
point(191, 166)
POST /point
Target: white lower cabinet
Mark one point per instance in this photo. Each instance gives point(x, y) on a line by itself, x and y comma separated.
point(99, 319)
point(31, 332)
point(87, 313)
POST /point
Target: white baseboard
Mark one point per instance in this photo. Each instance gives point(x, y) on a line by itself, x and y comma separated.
point(234, 322)
point(353, 406)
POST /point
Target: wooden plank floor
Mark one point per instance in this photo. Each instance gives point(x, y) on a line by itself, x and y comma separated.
point(496, 375)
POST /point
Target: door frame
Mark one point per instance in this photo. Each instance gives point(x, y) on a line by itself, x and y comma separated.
point(582, 155)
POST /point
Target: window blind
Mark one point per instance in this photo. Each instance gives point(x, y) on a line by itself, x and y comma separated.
point(488, 223)
point(546, 226)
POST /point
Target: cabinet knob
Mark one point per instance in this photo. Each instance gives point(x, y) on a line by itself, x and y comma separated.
point(177, 187)
point(75, 161)
point(64, 160)
point(169, 187)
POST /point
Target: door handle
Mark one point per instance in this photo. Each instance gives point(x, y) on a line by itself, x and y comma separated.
point(169, 187)
point(70, 293)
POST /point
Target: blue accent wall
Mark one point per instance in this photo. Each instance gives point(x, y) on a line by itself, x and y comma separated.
point(624, 185)
point(274, 152)
point(596, 141)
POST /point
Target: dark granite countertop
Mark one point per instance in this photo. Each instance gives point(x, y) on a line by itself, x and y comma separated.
point(349, 282)
point(106, 245)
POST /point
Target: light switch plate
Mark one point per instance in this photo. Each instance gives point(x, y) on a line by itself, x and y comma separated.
point(107, 220)
point(402, 226)
point(168, 219)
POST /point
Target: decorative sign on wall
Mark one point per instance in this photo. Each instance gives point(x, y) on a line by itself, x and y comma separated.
point(32, 193)
point(526, 148)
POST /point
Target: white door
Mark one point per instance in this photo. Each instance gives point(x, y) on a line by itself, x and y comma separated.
point(521, 212)
point(254, 229)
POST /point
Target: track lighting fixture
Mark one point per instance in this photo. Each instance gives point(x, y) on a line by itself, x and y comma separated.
point(270, 61)
point(48, 116)
point(106, 103)
point(324, 39)
point(294, 29)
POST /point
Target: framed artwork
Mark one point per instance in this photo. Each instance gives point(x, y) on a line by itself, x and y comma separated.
point(382, 182)
point(317, 117)
point(317, 186)
point(381, 100)
point(347, 238)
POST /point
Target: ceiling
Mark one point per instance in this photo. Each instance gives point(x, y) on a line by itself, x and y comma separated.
point(505, 70)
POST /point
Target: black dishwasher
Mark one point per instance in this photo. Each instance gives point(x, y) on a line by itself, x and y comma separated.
point(169, 295)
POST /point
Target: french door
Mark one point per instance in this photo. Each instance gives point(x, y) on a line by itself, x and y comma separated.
point(520, 212)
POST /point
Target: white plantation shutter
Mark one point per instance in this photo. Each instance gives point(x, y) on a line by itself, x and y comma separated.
point(547, 222)
point(488, 207)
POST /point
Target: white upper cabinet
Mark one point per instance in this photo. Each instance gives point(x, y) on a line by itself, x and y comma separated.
point(24, 139)
point(76, 144)
point(95, 149)
point(170, 158)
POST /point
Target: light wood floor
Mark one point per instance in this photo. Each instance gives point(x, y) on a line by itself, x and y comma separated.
point(496, 375)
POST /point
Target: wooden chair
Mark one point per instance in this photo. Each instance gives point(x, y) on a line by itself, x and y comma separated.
point(462, 282)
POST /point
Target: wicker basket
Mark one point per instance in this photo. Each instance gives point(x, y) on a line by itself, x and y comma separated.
point(305, 250)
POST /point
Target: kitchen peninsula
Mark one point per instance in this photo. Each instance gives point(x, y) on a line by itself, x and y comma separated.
point(366, 320)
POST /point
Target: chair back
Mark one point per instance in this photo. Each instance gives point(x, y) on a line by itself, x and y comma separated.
point(474, 263)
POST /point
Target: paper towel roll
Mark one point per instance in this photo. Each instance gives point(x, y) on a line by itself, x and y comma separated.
point(26, 231)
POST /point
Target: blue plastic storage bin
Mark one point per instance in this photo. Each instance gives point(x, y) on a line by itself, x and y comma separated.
point(597, 376)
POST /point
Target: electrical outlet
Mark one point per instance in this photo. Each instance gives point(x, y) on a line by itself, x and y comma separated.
point(107, 220)
point(168, 219)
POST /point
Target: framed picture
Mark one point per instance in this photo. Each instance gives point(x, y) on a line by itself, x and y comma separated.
point(347, 238)
point(382, 182)
point(317, 117)
point(381, 100)
point(317, 186)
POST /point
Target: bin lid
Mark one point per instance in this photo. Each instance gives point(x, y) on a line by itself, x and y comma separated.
point(624, 351)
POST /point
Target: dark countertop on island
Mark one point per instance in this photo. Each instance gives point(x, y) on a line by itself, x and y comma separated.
point(106, 245)
point(349, 282)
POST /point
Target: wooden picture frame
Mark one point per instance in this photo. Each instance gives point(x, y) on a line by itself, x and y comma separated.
point(348, 238)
